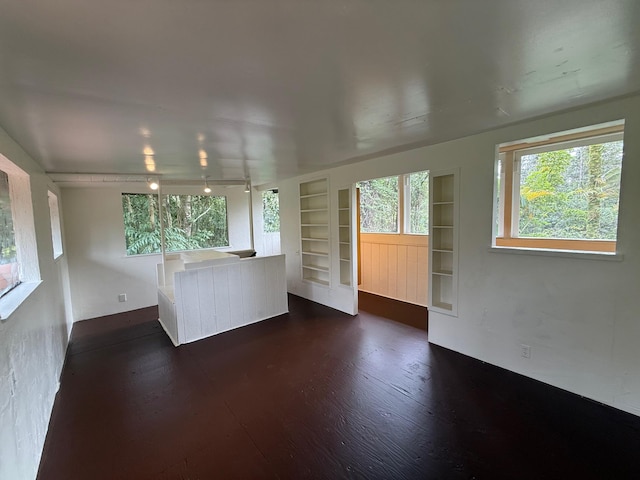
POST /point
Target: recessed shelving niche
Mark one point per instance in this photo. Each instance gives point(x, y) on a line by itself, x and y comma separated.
point(314, 231)
point(443, 244)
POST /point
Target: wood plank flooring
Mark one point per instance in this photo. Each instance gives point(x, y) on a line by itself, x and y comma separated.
point(315, 394)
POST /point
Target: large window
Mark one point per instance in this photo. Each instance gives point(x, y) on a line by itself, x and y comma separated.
point(9, 269)
point(379, 205)
point(561, 193)
point(397, 204)
point(418, 202)
point(191, 222)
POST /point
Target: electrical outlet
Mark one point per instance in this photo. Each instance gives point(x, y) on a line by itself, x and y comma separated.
point(122, 297)
point(525, 351)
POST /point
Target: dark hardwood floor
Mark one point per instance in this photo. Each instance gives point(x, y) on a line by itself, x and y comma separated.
point(315, 394)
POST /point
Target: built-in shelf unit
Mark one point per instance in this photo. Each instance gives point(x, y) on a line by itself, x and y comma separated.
point(314, 231)
point(344, 235)
point(443, 244)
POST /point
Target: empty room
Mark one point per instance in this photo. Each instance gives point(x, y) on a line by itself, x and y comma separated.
point(199, 200)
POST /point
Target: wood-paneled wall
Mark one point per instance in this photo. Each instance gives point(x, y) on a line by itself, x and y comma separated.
point(395, 266)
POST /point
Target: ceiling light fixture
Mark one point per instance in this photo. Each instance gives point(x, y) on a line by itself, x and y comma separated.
point(247, 186)
point(207, 188)
point(153, 184)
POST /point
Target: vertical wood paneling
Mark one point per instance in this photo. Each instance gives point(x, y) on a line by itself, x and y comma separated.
point(375, 267)
point(384, 269)
point(187, 302)
point(402, 272)
point(392, 271)
point(206, 301)
point(366, 266)
point(223, 298)
point(261, 289)
point(236, 304)
point(422, 277)
point(412, 273)
point(395, 266)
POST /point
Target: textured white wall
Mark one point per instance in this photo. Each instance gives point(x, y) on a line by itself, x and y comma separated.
point(33, 340)
point(580, 317)
point(100, 269)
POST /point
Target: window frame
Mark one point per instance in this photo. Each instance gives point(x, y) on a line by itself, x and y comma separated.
point(25, 238)
point(403, 225)
point(508, 158)
point(160, 209)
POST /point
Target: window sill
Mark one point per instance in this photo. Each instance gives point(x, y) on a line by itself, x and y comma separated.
point(12, 300)
point(584, 255)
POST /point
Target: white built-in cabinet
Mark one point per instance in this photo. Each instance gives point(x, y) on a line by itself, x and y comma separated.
point(443, 244)
point(314, 231)
point(344, 236)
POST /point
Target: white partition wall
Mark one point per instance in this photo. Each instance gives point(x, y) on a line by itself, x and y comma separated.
point(216, 298)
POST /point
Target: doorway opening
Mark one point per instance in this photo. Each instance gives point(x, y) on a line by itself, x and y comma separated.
point(393, 241)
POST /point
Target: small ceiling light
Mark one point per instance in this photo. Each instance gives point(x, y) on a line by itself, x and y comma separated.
point(247, 186)
point(153, 185)
point(207, 188)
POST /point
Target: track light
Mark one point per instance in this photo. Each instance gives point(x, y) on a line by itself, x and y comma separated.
point(153, 184)
point(247, 186)
point(207, 189)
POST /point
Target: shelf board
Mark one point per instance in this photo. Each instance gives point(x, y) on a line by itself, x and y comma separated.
point(317, 280)
point(309, 210)
point(344, 243)
point(312, 239)
point(443, 306)
point(444, 250)
point(312, 195)
point(317, 268)
point(345, 260)
point(444, 273)
point(342, 209)
point(313, 225)
point(442, 226)
point(442, 203)
point(344, 226)
point(315, 254)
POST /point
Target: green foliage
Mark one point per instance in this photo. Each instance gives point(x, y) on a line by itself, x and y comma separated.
point(571, 193)
point(379, 205)
point(271, 211)
point(419, 202)
point(190, 222)
point(8, 253)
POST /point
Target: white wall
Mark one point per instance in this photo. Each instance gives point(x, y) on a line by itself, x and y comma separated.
point(33, 340)
point(580, 317)
point(99, 268)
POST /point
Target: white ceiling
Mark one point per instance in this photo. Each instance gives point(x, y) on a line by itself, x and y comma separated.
point(275, 88)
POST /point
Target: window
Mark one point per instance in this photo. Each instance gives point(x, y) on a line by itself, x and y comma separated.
point(379, 205)
point(271, 211)
point(19, 262)
point(561, 193)
point(380, 201)
point(56, 232)
point(9, 266)
point(190, 222)
point(418, 202)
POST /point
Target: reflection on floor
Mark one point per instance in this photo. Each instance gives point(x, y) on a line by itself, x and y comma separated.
point(315, 394)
